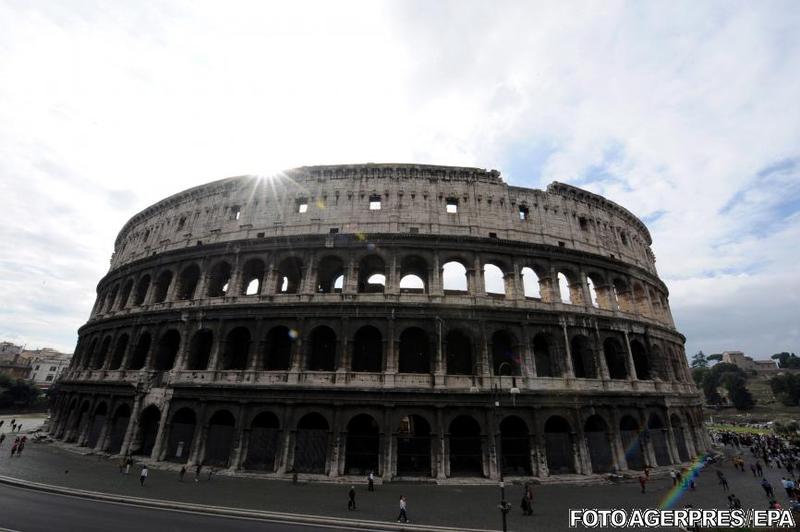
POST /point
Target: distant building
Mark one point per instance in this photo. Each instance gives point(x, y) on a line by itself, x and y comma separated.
point(12, 363)
point(46, 365)
point(740, 360)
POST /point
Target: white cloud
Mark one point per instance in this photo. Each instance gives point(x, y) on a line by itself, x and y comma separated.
point(672, 110)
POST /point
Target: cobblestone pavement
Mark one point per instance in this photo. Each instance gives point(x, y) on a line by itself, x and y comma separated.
point(455, 506)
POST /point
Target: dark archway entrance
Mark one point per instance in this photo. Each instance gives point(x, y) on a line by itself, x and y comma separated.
point(237, 349)
point(96, 427)
point(459, 353)
point(516, 446)
point(615, 359)
point(414, 351)
point(466, 449)
point(680, 438)
point(597, 440)
point(140, 352)
point(221, 429)
point(181, 435)
point(505, 358)
point(166, 350)
point(200, 350)
point(150, 419)
point(640, 361)
point(119, 426)
point(311, 444)
point(278, 349)
point(582, 358)
point(631, 441)
point(558, 442)
point(322, 349)
point(362, 447)
point(414, 447)
point(658, 436)
point(264, 443)
point(368, 350)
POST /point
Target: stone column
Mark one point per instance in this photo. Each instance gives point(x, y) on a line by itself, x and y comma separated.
point(479, 283)
point(163, 431)
point(618, 446)
point(102, 441)
point(183, 349)
point(601, 359)
point(239, 441)
point(392, 276)
point(350, 285)
point(439, 439)
point(586, 294)
point(529, 361)
point(391, 353)
point(435, 288)
point(484, 364)
point(133, 426)
point(310, 275)
point(569, 370)
point(439, 363)
point(255, 361)
point(217, 346)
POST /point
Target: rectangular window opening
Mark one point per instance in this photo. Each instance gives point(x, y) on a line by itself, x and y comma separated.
point(333, 230)
point(492, 235)
point(584, 223)
point(413, 230)
point(452, 206)
point(236, 212)
point(302, 205)
point(523, 212)
point(375, 202)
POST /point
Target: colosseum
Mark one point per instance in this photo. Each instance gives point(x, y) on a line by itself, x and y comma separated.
point(418, 321)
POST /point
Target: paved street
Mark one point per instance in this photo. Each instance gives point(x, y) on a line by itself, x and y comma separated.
point(456, 506)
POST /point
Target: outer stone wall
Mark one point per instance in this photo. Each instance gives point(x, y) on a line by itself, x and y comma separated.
point(397, 318)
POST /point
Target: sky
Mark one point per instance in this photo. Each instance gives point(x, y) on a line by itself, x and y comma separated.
point(686, 113)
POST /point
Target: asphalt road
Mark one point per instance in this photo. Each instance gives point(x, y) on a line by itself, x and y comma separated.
point(26, 510)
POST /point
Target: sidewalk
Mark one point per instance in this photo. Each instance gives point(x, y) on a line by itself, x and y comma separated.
point(453, 506)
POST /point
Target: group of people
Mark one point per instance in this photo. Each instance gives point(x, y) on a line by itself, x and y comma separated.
point(351, 499)
point(15, 427)
point(19, 442)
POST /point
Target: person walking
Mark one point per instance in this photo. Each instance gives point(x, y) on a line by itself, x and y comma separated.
point(642, 482)
point(197, 469)
point(403, 515)
point(723, 481)
point(529, 498)
point(759, 469)
point(673, 475)
point(182, 473)
point(351, 498)
point(143, 475)
point(753, 469)
point(128, 464)
point(371, 481)
point(14, 447)
point(767, 488)
point(21, 446)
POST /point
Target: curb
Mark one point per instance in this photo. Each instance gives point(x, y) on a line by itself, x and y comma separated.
point(225, 511)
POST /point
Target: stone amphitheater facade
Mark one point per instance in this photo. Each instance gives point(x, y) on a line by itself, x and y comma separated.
point(412, 320)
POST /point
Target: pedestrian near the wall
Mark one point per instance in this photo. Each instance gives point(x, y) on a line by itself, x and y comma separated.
point(143, 475)
point(21, 446)
point(403, 515)
point(759, 470)
point(197, 469)
point(767, 488)
point(642, 481)
point(753, 469)
point(128, 464)
point(371, 481)
point(673, 475)
point(19, 427)
point(182, 473)
point(529, 497)
point(723, 481)
point(14, 448)
point(351, 498)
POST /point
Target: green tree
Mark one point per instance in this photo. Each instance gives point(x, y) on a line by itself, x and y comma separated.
point(787, 360)
point(699, 360)
point(739, 394)
point(717, 357)
point(17, 392)
point(786, 388)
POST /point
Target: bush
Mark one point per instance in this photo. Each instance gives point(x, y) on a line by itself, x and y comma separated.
point(17, 392)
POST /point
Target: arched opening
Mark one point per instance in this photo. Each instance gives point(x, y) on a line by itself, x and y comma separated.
point(516, 447)
point(639, 296)
point(466, 449)
point(631, 441)
point(414, 351)
point(546, 365)
point(119, 426)
point(97, 424)
point(530, 283)
point(141, 290)
point(119, 351)
point(680, 438)
point(322, 349)
point(362, 446)
point(368, 350)
point(658, 367)
point(582, 358)
point(187, 282)
point(622, 295)
point(264, 443)
point(311, 444)
point(640, 362)
point(505, 356)
point(599, 444)
point(493, 279)
point(181, 435)
point(564, 292)
point(615, 359)
point(677, 367)
point(218, 279)
point(200, 350)
point(252, 274)
point(413, 275)
point(167, 348)
point(371, 274)
point(593, 301)
point(330, 272)
point(112, 296)
point(458, 350)
point(454, 277)
point(413, 447)
point(81, 422)
point(219, 442)
point(237, 349)
point(102, 353)
point(658, 436)
point(148, 430)
point(558, 443)
point(290, 272)
point(140, 352)
point(163, 283)
point(89, 354)
point(127, 288)
point(278, 349)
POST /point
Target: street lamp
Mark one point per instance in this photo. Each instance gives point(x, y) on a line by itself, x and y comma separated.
point(504, 505)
